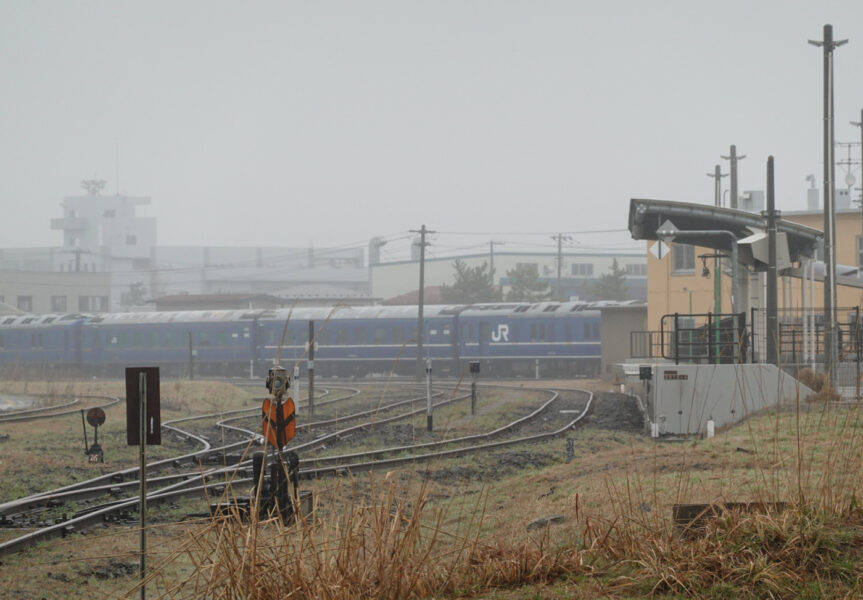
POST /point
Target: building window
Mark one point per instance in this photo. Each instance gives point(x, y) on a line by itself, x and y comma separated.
point(683, 258)
point(527, 267)
point(58, 304)
point(25, 303)
point(636, 270)
point(131, 240)
point(583, 269)
point(93, 303)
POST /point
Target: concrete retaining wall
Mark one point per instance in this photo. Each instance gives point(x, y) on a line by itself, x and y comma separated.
point(684, 397)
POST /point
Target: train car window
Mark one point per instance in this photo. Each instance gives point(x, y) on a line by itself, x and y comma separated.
point(361, 336)
point(1, 341)
point(154, 339)
point(203, 338)
point(398, 335)
point(470, 332)
point(380, 335)
point(586, 330)
point(446, 331)
point(595, 330)
point(485, 332)
point(221, 338)
point(341, 336)
point(323, 338)
point(542, 331)
point(533, 332)
point(137, 340)
point(121, 340)
point(170, 339)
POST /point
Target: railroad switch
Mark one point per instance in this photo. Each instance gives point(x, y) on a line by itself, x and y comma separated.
point(95, 417)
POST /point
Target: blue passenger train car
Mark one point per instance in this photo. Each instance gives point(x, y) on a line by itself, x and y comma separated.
point(509, 339)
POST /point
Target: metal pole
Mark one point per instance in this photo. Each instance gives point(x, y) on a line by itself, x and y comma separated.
point(559, 263)
point(296, 391)
point(429, 417)
point(733, 158)
point(813, 333)
point(311, 369)
point(829, 205)
point(142, 475)
point(772, 273)
point(191, 357)
point(473, 396)
point(805, 315)
point(419, 365)
point(717, 271)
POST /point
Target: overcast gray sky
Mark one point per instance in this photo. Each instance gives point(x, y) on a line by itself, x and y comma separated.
point(283, 123)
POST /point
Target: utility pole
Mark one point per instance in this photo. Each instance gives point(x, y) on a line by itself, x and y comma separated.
point(491, 245)
point(422, 244)
point(772, 330)
point(717, 176)
point(734, 158)
point(829, 206)
point(859, 245)
point(560, 238)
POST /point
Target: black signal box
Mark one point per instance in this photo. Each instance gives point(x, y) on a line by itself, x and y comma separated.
point(645, 372)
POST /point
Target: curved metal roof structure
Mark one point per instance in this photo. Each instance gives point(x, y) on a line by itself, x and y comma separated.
point(645, 217)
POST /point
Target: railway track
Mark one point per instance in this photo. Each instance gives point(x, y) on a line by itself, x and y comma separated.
point(58, 410)
point(555, 416)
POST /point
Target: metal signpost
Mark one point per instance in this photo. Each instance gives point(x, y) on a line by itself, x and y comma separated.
point(143, 426)
point(428, 396)
point(95, 417)
point(474, 371)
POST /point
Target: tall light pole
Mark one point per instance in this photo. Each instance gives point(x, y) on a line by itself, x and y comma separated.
point(829, 205)
point(733, 157)
point(560, 238)
point(717, 176)
point(859, 245)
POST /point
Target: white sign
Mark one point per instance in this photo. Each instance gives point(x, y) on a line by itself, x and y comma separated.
point(659, 249)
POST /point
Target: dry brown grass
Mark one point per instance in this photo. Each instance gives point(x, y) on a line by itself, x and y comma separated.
point(372, 542)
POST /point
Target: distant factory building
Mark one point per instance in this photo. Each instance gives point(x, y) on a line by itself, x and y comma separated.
point(579, 273)
point(109, 261)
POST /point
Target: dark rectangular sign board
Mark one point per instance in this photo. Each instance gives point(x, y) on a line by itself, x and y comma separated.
point(133, 406)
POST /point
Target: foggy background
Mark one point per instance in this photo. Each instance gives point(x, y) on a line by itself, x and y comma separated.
point(292, 123)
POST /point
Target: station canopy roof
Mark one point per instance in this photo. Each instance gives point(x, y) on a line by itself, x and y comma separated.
point(646, 216)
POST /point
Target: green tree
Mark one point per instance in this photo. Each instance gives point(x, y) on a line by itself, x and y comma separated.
point(472, 284)
point(135, 296)
point(525, 285)
point(611, 286)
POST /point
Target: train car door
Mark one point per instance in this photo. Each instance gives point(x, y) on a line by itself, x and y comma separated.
point(484, 338)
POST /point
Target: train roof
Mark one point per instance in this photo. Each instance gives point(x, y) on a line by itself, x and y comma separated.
point(16, 321)
point(315, 313)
